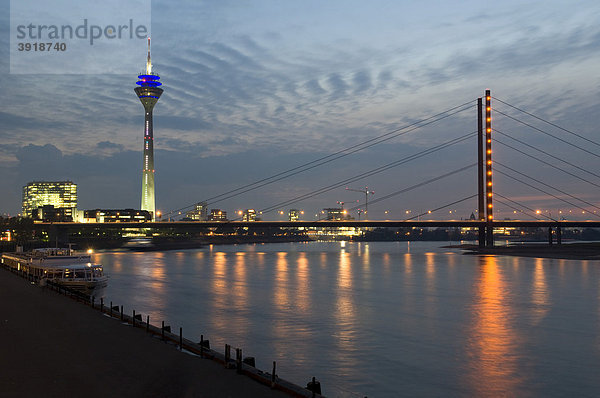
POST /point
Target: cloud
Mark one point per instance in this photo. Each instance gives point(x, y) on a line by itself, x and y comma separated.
point(314, 87)
point(362, 81)
point(109, 145)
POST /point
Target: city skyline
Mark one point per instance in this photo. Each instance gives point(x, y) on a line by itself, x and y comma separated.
point(257, 89)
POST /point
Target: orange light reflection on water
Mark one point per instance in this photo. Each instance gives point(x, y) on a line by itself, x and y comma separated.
point(344, 314)
point(303, 298)
point(220, 291)
point(281, 293)
point(492, 345)
point(240, 288)
point(281, 328)
point(539, 292)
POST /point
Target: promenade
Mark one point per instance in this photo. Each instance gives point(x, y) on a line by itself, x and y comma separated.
point(53, 346)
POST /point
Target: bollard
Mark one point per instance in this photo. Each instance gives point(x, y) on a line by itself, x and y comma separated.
point(147, 323)
point(111, 308)
point(201, 346)
point(121, 312)
point(180, 338)
point(250, 361)
point(102, 304)
point(163, 330)
point(314, 386)
point(133, 320)
point(273, 376)
point(238, 360)
point(93, 301)
point(227, 354)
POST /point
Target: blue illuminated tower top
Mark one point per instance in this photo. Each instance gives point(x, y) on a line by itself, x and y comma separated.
point(148, 91)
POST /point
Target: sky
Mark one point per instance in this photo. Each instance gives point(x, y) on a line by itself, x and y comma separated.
point(255, 88)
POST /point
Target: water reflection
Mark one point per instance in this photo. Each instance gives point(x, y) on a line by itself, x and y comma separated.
point(303, 297)
point(219, 290)
point(424, 323)
point(539, 292)
point(344, 315)
point(281, 293)
point(240, 287)
point(492, 342)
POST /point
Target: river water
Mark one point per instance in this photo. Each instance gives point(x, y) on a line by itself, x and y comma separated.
point(380, 319)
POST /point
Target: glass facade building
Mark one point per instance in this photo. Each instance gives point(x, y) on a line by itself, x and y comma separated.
point(60, 194)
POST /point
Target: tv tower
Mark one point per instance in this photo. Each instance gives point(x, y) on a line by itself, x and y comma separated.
point(148, 92)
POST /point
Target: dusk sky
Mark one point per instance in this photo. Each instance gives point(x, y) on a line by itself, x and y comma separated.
point(255, 88)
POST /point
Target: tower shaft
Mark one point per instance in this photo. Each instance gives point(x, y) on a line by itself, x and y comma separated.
point(148, 199)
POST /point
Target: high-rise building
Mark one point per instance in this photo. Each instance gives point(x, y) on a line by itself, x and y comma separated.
point(148, 92)
point(60, 194)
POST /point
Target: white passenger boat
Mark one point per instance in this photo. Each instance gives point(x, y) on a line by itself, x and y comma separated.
point(61, 266)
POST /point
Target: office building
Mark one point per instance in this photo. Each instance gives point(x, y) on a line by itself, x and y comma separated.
point(59, 194)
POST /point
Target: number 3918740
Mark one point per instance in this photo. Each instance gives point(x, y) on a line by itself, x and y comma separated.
point(42, 46)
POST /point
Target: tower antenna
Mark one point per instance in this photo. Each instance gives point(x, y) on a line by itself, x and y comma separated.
point(149, 61)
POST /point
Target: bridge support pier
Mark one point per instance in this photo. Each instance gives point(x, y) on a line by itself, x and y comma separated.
point(550, 236)
point(558, 236)
point(489, 235)
point(481, 239)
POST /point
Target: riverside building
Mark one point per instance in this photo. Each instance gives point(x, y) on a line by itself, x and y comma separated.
point(59, 194)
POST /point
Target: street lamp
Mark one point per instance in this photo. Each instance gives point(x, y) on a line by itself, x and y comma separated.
point(366, 192)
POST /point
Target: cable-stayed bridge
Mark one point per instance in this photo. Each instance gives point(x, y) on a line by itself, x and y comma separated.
point(481, 191)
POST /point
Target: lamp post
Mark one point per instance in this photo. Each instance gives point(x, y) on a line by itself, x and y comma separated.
point(366, 192)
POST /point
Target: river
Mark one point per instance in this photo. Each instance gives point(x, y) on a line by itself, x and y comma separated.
point(380, 319)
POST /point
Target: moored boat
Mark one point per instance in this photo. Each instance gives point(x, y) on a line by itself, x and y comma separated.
point(60, 266)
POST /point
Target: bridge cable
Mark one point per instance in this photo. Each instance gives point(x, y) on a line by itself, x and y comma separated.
point(546, 153)
point(442, 207)
point(547, 133)
point(545, 192)
point(546, 121)
point(547, 163)
point(336, 155)
point(549, 186)
point(423, 184)
point(369, 173)
point(339, 154)
point(419, 185)
point(534, 215)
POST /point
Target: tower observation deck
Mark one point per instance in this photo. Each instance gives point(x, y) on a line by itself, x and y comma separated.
point(148, 91)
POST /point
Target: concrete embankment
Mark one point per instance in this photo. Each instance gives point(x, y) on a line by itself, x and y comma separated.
point(53, 346)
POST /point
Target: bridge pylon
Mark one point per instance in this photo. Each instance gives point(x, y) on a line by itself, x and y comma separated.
point(488, 170)
point(480, 189)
